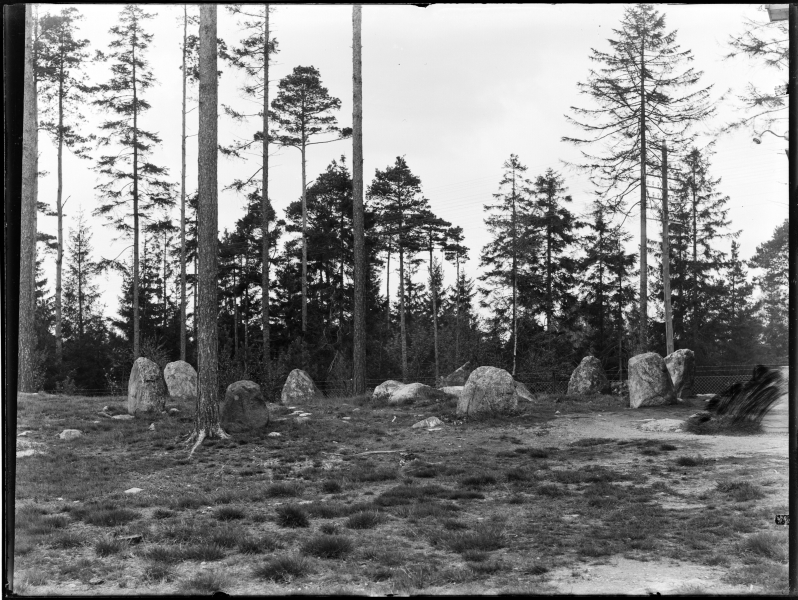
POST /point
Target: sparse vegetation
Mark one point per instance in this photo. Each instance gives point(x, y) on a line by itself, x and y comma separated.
point(328, 546)
point(292, 516)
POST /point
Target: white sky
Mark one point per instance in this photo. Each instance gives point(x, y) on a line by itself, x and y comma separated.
point(454, 88)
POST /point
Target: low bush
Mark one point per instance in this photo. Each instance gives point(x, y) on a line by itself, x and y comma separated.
point(292, 516)
point(284, 569)
point(364, 520)
point(328, 546)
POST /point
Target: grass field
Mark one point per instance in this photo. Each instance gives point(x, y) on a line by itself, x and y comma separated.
point(356, 502)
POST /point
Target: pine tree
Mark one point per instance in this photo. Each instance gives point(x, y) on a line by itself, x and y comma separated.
point(455, 251)
point(207, 417)
point(27, 247)
point(396, 194)
point(772, 257)
point(359, 276)
point(253, 57)
point(303, 110)
point(739, 312)
point(638, 90)
point(435, 232)
point(61, 59)
point(133, 186)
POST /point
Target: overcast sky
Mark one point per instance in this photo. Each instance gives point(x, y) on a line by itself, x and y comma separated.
point(455, 89)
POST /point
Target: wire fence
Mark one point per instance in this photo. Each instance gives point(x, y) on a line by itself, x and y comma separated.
point(709, 379)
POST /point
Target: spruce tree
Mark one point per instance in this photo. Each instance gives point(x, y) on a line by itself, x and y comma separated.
point(510, 256)
point(639, 92)
point(455, 251)
point(133, 186)
point(772, 257)
point(396, 196)
point(739, 312)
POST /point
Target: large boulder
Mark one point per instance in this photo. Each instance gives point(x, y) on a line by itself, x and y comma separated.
point(453, 390)
point(457, 377)
point(385, 389)
point(414, 391)
point(649, 381)
point(299, 388)
point(588, 378)
point(146, 390)
point(488, 389)
point(181, 380)
point(244, 406)
point(681, 367)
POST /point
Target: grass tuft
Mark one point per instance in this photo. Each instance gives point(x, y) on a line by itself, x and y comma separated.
point(690, 461)
point(108, 546)
point(205, 582)
point(485, 536)
point(284, 489)
point(364, 520)
point(230, 513)
point(741, 491)
point(768, 544)
point(328, 546)
point(331, 486)
point(292, 516)
point(478, 480)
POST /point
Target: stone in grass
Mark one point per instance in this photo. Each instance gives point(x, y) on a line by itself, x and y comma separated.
point(649, 381)
point(681, 367)
point(385, 389)
point(123, 417)
point(453, 390)
point(146, 390)
point(428, 422)
point(414, 391)
point(181, 380)
point(133, 490)
point(244, 407)
point(299, 388)
point(488, 389)
point(588, 378)
point(274, 434)
point(70, 434)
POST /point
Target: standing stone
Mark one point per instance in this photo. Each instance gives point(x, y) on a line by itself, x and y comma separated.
point(385, 389)
point(146, 390)
point(523, 392)
point(453, 390)
point(681, 366)
point(457, 377)
point(298, 388)
point(243, 406)
point(649, 381)
point(488, 389)
point(181, 380)
point(414, 391)
point(588, 378)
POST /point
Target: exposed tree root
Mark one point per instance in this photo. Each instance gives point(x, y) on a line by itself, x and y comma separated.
point(199, 436)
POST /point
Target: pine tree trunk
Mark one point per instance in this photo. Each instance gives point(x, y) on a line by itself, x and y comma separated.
point(643, 240)
point(548, 265)
point(136, 324)
point(433, 291)
point(59, 210)
point(620, 320)
point(206, 420)
point(304, 251)
point(457, 315)
point(359, 283)
point(515, 286)
point(27, 265)
point(666, 256)
point(693, 295)
point(402, 330)
point(183, 324)
point(265, 205)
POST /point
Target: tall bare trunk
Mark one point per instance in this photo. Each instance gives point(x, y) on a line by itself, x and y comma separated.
point(59, 210)
point(548, 263)
point(265, 205)
point(183, 324)
point(433, 291)
point(359, 309)
point(304, 257)
point(136, 324)
point(515, 284)
point(27, 264)
point(694, 290)
point(402, 329)
point(666, 255)
point(643, 239)
point(206, 420)
point(457, 315)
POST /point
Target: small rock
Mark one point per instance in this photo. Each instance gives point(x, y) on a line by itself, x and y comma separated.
point(428, 422)
point(151, 427)
point(95, 422)
point(434, 429)
point(663, 425)
point(24, 433)
point(134, 490)
point(96, 581)
point(70, 434)
point(173, 411)
point(132, 539)
point(345, 418)
point(300, 420)
point(106, 408)
point(304, 414)
point(274, 434)
point(123, 417)
point(24, 453)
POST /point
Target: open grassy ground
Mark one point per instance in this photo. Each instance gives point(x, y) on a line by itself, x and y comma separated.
point(562, 496)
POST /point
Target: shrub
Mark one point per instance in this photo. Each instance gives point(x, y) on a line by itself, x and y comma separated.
point(284, 488)
point(479, 480)
point(690, 461)
point(110, 517)
point(256, 545)
point(485, 536)
point(191, 501)
point(162, 513)
point(44, 525)
point(741, 491)
point(158, 572)
point(203, 551)
point(328, 546)
point(364, 520)
point(292, 516)
point(329, 528)
point(331, 486)
point(67, 539)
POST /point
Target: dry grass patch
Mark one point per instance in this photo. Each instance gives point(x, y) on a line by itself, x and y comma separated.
point(328, 546)
point(292, 515)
